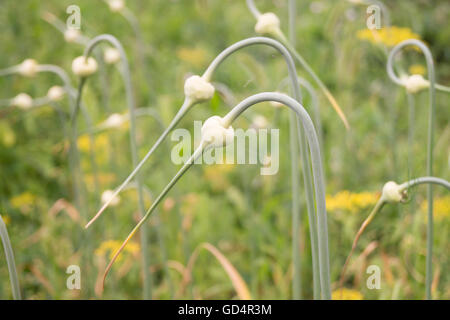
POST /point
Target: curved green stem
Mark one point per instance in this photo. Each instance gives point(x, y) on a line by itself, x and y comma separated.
point(279, 35)
point(294, 139)
point(10, 260)
point(125, 73)
point(317, 172)
point(187, 104)
point(442, 88)
point(379, 205)
point(430, 144)
point(305, 161)
point(197, 153)
point(316, 168)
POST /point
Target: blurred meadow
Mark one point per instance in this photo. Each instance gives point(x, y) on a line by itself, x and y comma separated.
point(221, 221)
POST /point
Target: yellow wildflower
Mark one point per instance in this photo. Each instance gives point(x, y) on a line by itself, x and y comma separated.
point(23, 201)
point(84, 143)
point(417, 69)
point(103, 179)
point(346, 294)
point(349, 201)
point(195, 56)
point(7, 135)
point(6, 219)
point(110, 247)
point(389, 36)
point(100, 141)
point(441, 208)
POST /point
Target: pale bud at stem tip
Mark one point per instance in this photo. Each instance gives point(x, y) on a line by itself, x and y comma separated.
point(106, 196)
point(84, 67)
point(71, 35)
point(116, 5)
point(198, 89)
point(22, 101)
point(28, 67)
point(114, 121)
point(56, 93)
point(111, 55)
point(393, 193)
point(267, 23)
point(414, 83)
point(214, 132)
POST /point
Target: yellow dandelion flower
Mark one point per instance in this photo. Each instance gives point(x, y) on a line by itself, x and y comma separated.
point(417, 69)
point(349, 201)
point(441, 208)
point(84, 143)
point(346, 294)
point(110, 247)
point(23, 201)
point(389, 36)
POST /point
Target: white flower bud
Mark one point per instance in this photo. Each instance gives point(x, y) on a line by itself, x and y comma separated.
point(111, 55)
point(56, 93)
point(415, 83)
point(114, 121)
point(71, 35)
point(392, 192)
point(268, 23)
point(22, 101)
point(116, 5)
point(84, 67)
point(198, 89)
point(259, 122)
point(28, 67)
point(214, 133)
point(107, 194)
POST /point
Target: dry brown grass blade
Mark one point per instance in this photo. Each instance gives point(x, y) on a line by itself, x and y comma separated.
point(239, 284)
point(40, 277)
point(116, 255)
point(62, 204)
point(337, 108)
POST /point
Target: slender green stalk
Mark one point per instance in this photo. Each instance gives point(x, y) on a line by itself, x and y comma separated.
point(9, 254)
point(187, 104)
point(442, 88)
point(197, 153)
point(316, 169)
point(279, 35)
point(430, 143)
point(72, 97)
point(296, 217)
point(134, 23)
point(411, 126)
point(306, 165)
point(378, 206)
point(125, 73)
point(315, 107)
